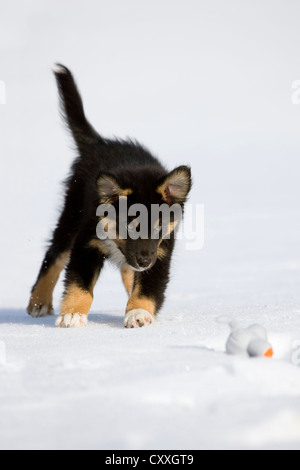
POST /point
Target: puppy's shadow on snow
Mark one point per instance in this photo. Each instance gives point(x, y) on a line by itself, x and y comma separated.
point(106, 319)
point(21, 317)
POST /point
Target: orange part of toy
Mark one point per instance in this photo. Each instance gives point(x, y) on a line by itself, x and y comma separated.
point(269, 353)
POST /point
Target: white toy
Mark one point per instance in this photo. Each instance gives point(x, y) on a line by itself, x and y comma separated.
point(252, 341)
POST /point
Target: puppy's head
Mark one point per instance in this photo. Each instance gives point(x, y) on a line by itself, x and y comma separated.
point(143, 209)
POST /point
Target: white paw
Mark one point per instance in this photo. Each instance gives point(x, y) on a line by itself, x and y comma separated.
point(72, 320)
point(137, 318)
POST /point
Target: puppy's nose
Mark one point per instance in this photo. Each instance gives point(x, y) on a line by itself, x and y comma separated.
point(144, 262)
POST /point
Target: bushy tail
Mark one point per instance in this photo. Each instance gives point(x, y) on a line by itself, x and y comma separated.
point(72, 109)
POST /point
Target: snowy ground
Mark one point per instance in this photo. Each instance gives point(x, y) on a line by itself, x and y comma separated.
point(199, 83)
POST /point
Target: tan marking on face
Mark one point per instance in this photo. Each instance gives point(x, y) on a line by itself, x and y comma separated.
point(171, 227)
point(43, 291)
point(128, 278)
point(126, 192)
point(121, 193)
point(108, 189)
point(157, 223)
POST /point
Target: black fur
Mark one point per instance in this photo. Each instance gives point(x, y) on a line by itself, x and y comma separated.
point(124, 165)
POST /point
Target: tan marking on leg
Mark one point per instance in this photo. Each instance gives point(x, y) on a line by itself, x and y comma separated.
point(140, 310)
point(41, 296)
point(76, 300)
point(76, 305)
point(128, 278)
point(136, 302)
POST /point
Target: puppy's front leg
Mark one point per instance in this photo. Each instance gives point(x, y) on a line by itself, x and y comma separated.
point(148, 295)
point(81, 276)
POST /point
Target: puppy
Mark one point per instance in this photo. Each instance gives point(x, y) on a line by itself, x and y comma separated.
point(111, 192)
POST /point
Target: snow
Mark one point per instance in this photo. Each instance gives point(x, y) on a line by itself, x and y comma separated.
point(201, 83)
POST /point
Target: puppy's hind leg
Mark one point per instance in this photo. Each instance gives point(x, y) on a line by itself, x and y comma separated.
point(58, 254)
point(56, 258)
point(40, 303)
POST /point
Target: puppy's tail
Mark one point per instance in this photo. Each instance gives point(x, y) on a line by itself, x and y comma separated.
point(72, 109)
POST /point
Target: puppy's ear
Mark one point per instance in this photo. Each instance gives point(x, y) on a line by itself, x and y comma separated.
point(110, 190)
point(176, 186)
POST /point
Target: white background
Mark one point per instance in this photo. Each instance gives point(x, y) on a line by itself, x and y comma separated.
point(205, 83)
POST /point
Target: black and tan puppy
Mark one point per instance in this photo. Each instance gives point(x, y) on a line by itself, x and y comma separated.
point(108, 172)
